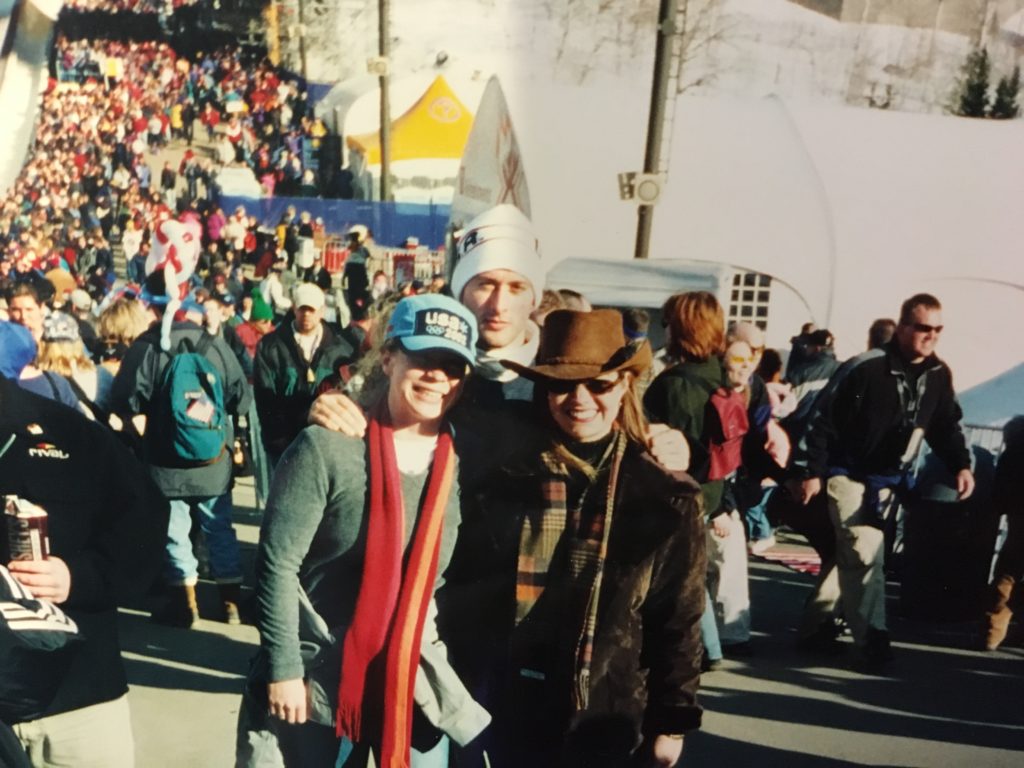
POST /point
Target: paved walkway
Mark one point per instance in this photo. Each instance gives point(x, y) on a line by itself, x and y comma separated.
point(943, 704)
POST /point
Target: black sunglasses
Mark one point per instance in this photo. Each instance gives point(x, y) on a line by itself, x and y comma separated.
point(925, 328)
point(453, 367)
point(594, 386)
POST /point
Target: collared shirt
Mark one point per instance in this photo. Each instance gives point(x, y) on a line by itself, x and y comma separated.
point(308, 342)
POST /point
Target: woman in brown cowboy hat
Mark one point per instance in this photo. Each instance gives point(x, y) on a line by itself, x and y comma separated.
point(578, 577)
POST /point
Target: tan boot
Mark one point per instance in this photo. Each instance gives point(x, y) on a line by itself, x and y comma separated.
point(231, 597)
point(181, 609)
point(999, 614)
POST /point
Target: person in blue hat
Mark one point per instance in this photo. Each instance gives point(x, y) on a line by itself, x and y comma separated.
point(350, 660)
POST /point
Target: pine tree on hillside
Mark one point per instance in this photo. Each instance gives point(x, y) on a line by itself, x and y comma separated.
point(1004, 105)
point(972, 100)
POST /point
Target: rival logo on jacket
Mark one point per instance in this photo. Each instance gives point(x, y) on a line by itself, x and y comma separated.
point(47, 451)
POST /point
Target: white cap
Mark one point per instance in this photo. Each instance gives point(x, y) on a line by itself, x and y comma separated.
point(359, 230)
point(309, 295)
point(81, 300)
point(499, 238)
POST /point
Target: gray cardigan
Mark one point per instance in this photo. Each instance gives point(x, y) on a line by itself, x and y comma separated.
point(309, 567)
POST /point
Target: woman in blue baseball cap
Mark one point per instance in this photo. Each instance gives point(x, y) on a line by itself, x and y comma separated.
point(343, 635)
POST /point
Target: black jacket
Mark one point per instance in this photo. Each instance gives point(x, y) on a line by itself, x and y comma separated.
point(107, 521)
point(286, 385)
point(137, 381)
point(864, 418)
point(808, 377)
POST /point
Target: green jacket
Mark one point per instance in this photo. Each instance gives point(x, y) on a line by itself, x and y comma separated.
point(286, 385)
point(679, 397)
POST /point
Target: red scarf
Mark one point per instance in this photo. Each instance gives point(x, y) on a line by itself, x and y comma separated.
point(382, 647)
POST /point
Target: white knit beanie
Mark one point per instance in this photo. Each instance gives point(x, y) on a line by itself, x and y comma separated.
point(499, 238)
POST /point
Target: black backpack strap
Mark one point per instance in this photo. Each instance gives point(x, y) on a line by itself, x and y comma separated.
point(83, 398)
point(205, 342)
point(53, 387)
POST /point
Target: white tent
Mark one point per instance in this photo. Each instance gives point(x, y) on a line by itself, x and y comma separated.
point(353, 106)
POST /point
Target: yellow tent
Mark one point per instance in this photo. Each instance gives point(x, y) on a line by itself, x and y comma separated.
point(436, 126)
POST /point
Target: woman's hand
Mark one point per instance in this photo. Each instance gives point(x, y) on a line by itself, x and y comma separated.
point(47, 579)
point(663, 751)
point(289, 700)
point(720, 526)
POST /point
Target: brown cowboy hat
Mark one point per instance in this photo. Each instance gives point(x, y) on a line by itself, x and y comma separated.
point(576, 346)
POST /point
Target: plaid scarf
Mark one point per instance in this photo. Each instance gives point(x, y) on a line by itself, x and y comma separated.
point(587, 551)
point(382, 647)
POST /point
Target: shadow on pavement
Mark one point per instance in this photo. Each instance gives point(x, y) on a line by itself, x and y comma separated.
point(156, 675)
point(935, 690)
point(850, 714)
point(707, 750)
point(187, 659)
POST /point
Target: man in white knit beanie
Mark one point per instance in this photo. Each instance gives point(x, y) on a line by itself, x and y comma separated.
point(499, 277)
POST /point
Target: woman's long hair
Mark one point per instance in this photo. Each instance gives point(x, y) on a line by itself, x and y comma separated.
point(368, 383)
point(64, 357)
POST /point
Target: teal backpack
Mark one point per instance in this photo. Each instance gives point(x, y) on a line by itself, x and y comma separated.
point(190, 421)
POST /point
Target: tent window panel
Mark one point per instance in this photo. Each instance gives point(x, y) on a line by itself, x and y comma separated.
point(735, 295)
point(746, 311)
point(748, 295)
point(750, 278)
point(737, 279)
point(762, 311)
point(762, 296)
point(764, 280)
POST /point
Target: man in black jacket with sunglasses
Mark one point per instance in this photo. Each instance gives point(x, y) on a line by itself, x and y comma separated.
point(860, 446)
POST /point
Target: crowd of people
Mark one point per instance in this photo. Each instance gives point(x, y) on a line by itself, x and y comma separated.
point(560, 517)
point(581, 568)
point(129, 6)
point(256, 116)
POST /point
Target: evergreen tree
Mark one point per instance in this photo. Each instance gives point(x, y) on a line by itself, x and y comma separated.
point(1004, 105)
point(972, 101)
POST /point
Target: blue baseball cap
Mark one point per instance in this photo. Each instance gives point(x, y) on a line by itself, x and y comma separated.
point(17, 349)
point(432, 321)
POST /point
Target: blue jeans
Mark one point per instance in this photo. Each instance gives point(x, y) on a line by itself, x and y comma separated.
point(709, 629)
point(272, 743)
point(758, 526)
point(181, 566)
point(437, 757)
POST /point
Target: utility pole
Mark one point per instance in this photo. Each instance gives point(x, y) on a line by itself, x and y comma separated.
point(663, 76)
point(384, 51)
point(302, 42)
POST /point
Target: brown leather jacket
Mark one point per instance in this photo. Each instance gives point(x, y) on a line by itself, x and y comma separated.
point(645, 667)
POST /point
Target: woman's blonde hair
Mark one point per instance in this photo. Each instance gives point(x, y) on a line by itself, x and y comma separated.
point(63, 357)
point(696, 326)
point(368, 382)
point(631, 414)
point(122, 322)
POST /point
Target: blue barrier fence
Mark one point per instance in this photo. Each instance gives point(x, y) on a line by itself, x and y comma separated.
point(391, 223)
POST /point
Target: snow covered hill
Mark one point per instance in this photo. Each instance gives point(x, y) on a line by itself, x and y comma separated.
point(745, 48)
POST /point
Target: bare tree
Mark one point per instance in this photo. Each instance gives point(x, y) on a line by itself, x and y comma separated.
point(700, 28)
